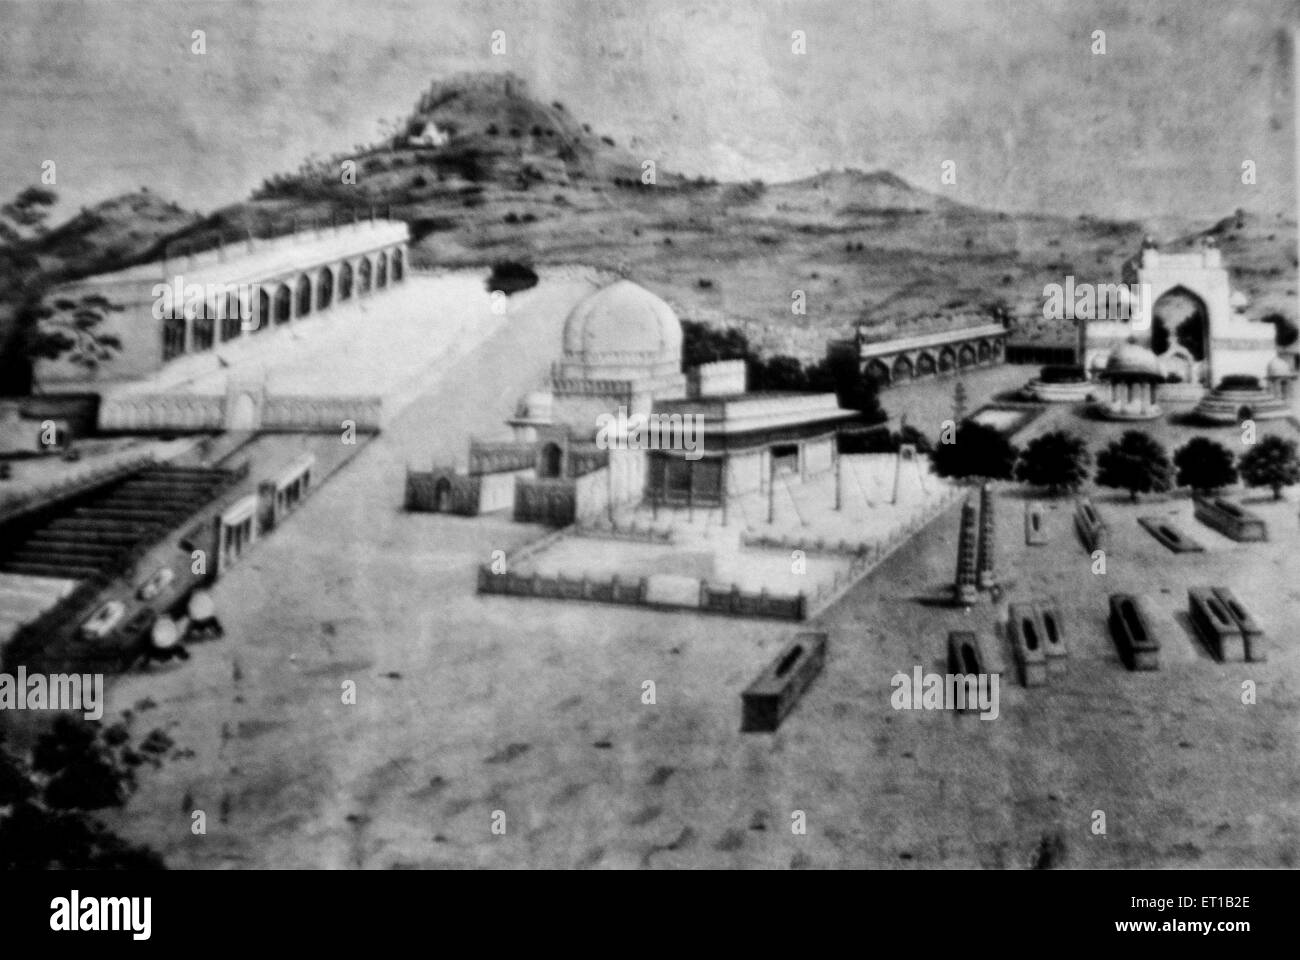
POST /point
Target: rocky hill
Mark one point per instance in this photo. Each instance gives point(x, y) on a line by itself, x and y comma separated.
point(484, 171)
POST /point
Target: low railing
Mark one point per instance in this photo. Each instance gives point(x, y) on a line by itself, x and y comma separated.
point(865, 562)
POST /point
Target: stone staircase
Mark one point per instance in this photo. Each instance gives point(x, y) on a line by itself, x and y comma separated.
point(95, 533)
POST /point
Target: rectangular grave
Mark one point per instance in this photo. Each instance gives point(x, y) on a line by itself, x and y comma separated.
point(1215, 624)
point(775, 691)
point(1049, 613)
point(1252, 633)
point(1091, 528)
point(1026, 632)
point(1035, 524)
point(966, 653)
point(1131, 628)
point(1230, 519)
point(1168, 534)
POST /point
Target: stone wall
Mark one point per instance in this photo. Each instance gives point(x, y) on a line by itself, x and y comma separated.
point(422, 492)
point(201, 413)
point(146, 412)
point(552, 501)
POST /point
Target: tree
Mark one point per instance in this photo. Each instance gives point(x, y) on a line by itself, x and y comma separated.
point(1205, 465)
point(1287, 333)
point(23, 218)
point(1272, 463)
point(842, 374)
point(839, 373)
point(977, 451)
point(959, 402)
point(1136, 463)
point(41, 330)
point(48, 793)
point(1058, 460)
point(71, 328)
point(702, 343)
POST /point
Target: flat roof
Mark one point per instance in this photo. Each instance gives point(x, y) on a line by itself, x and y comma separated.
point(765, 410)
point(272, 257)
point(870, 348)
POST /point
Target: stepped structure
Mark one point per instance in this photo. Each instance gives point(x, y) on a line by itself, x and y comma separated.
point(964, 589)
point(98, 532)
point(986, 578)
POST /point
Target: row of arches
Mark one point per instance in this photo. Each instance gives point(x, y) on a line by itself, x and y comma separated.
point(909, 365)
point(280, 303)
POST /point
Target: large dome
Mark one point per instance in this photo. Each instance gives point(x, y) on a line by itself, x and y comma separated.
point(623, 329)
point(1130, 360)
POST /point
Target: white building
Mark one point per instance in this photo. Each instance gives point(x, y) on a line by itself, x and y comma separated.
point(212, 310)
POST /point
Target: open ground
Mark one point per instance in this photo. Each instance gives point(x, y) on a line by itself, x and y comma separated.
point(468, 705)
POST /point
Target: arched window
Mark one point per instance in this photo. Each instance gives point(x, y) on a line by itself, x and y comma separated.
point(363, 279)
point(345, 281)
point(204, 331)
point(324, 288)
point(263, 318)
point(283, 302)
point(173, 337)
point(399, 265)
point(304, 295)
point(551, 460)
point(381, 271)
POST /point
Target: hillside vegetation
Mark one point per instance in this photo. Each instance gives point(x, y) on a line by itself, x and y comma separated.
point(484, 172)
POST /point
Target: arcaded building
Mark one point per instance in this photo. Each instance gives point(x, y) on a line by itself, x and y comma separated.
point(216, 309)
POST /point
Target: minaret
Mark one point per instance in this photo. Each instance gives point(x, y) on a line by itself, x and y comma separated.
point(964, 592)
point(986, 578)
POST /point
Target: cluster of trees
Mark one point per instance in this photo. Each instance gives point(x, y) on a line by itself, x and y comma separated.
point(839, 374)
point(1136, 462)
point(49, 794)
point(34, 327)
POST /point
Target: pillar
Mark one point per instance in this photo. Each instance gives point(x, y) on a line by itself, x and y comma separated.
point(771, 487)
point(724, 483)
point(964, 591)
point(986, 577)
point(835, 452)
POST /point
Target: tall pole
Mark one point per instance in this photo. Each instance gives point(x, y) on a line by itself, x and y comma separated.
point(771, 486)
point(839, 479)
point(726, 474)
point(609, 487)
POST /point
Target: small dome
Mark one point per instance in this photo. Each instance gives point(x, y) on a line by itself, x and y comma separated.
point(1279, 368)
point(1239, 301)
point(1131, 360)
point(534, 406)
point(620, 324)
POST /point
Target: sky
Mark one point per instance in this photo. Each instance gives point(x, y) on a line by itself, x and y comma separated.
point(1010, 91)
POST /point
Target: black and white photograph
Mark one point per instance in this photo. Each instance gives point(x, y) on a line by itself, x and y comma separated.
point(692, 435)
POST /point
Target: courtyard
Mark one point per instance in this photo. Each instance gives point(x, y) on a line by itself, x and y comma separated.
point(467, 705)
point(881, 501)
